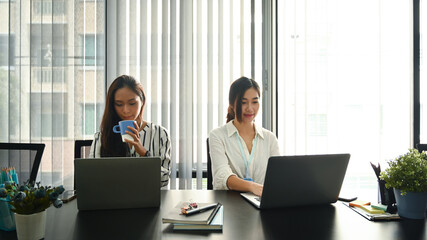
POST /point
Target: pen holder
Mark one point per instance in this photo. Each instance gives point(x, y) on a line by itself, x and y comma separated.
point(7, 218)
point(385, 195)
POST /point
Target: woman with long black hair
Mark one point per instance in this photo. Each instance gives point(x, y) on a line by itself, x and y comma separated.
point(240, 149)
point(126, 101)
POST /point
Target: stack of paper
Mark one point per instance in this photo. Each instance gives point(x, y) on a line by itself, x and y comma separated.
point(211, 219)
point(216, 223)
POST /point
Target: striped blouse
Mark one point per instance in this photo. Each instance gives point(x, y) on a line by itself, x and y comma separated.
point(155, 139)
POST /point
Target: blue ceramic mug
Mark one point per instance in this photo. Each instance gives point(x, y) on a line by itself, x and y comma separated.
point(123, 127)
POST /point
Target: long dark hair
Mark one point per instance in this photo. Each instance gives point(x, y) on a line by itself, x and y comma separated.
point(111, 143)
point(237, 90)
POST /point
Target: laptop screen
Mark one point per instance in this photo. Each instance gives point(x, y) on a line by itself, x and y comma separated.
point(303, 180)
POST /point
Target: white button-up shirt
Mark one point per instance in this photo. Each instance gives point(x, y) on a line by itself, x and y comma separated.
point(227, 158)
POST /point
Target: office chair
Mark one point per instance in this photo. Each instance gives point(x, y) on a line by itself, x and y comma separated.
point(421, 147)
point(21, 156)
point(210, 186)
point(82, 148)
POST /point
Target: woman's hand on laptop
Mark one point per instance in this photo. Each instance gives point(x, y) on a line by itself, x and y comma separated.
point(238, 184)
point(256, 188)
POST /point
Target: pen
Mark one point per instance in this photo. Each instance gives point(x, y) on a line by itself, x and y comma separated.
point(201, 209)
point(377, 170)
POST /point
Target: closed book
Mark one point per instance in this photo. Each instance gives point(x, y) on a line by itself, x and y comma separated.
point(204, 217)
point(374, 217)
point(216, 224)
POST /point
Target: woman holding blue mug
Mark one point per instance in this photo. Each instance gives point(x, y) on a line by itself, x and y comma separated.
point(240, 149)
point(126, 101)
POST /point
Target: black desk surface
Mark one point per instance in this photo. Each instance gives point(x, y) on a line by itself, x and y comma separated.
point(241, 221)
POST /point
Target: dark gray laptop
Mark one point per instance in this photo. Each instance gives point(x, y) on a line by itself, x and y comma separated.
point(301, 180)
point(117, 183)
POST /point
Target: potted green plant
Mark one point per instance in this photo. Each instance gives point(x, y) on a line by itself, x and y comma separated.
point(407, 174)
point(29, 202)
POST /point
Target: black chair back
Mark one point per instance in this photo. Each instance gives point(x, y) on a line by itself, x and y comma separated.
point(421, 147)
point(210, 186)
point(82, 148)
point(21, 156)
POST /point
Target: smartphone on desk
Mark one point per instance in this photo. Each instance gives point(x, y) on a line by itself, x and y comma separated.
point(347, 198)
point(68, 196)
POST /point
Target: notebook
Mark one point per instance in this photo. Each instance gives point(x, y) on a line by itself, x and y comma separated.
point(301, 180)
point(202, 218)
point(117, 183)
point(216, 224)
point(373, 216)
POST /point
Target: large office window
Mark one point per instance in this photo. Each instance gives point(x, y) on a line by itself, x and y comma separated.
point(344, 78)
point(343, 75)
point(43, 86)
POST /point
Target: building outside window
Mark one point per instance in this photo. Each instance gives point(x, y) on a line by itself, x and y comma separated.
point(7, 50)
point(93, 50)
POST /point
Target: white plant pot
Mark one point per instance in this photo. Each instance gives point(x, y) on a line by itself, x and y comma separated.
point(30, 227)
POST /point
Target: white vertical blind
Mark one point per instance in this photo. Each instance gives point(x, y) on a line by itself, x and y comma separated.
point(199, 93)
point(185, 120)
point(188, 53)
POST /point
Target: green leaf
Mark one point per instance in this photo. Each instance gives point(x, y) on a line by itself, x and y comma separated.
point(407, 173)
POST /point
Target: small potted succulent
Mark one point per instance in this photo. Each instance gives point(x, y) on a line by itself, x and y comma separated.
point(29, 202)
point(407, 174)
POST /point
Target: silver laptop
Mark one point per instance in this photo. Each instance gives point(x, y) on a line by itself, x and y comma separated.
point(117, 183)
point(301, 180)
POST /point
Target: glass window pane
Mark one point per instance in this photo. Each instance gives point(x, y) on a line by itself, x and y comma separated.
point(7, 50)
point(89, 119)
point(344, 85)
point(42, 81)
point(89, 50)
